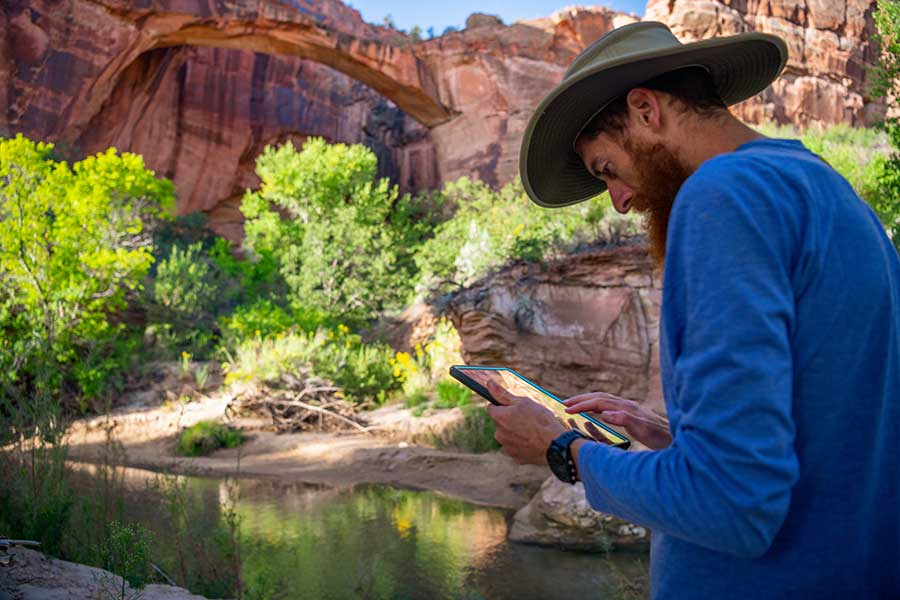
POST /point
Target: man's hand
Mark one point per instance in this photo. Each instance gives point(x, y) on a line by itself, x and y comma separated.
point(644, 425)
point(525, 429)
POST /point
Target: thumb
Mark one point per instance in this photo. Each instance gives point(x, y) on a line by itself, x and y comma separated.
point(500, 394)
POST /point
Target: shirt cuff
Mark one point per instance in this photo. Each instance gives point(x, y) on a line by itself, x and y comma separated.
point(592, 457)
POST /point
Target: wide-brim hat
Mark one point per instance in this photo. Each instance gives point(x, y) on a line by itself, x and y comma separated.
point(553, 174)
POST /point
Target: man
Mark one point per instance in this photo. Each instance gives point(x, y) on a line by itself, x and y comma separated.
point(778, 473)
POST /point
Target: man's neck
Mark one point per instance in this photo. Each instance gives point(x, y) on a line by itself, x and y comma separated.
point(705, 138)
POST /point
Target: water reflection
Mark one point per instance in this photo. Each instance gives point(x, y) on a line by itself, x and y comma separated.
point(301, 541)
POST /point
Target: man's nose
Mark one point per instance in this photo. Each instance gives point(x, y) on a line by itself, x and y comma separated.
point(621, 196)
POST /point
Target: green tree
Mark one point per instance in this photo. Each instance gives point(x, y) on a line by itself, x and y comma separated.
point(886, 201)
point(73, 241)
point(491, 228)
point(343, 239)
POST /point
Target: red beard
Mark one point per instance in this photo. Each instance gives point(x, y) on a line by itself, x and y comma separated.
point(661, 174)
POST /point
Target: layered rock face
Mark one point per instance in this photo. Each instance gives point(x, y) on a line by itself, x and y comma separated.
point(199, 88)
point(829, 43)
point(588, 322)
point(494, 76)
point(201, 116)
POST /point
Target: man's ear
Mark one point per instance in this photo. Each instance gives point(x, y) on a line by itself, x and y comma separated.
point(643, 104)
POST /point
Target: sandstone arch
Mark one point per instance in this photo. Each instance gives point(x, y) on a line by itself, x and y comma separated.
point(265, 26)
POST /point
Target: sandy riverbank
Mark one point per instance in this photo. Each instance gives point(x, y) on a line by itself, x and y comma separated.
point(389, 457)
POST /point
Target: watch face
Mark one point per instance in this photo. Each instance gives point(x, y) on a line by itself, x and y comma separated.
point(557, 461)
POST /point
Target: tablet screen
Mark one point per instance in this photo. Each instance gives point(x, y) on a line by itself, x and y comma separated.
point(519, 386)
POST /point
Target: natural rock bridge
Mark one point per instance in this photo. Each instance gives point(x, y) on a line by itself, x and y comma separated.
point(265, 26)
point(200, 87)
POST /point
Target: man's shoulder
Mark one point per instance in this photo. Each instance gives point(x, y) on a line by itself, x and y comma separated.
point(755, 163)
point(758, 176)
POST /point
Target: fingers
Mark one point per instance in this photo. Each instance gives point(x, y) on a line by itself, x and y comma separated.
point(595, 402)
point(617, 417)
point(500, 394)
point(592, 405)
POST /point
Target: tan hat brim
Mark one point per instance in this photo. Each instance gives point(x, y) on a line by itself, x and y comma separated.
point(554, 175)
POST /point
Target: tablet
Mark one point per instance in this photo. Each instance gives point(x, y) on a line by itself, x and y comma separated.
point(477, 377)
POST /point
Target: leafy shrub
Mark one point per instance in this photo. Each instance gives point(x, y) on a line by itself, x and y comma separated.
point(452, 394)
point(887, 85)
point(362, 370)
point(474, 434)
point(125, 552)
point(263, 318)
point(185, 299)
point(73, 242)
point(206, 436)
point(491, 228)
point(255, 276)
point(347, 243)
point(419, 372)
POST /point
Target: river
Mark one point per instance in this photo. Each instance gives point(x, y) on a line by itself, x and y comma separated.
point(289, 540)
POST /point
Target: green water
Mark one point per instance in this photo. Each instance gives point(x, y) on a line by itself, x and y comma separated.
point(299, 541)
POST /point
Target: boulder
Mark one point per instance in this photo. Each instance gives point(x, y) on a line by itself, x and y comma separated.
point(559, 515)
point(31, 575)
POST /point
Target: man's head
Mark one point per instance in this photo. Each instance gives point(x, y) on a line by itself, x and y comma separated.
point(639, 144)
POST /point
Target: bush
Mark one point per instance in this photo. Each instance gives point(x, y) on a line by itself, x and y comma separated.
point(207, 436)
point(887, 85)
point(362, 370)
point(346, 247)
point(452, 394)
point(73, 242)
point(125, 552)
point(474, 434)
point(422, 370)
point(491, 228)
point(185, 298)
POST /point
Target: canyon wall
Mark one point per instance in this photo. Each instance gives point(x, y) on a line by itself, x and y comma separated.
point(829, 51)
point(587, 322)
point(199, 88)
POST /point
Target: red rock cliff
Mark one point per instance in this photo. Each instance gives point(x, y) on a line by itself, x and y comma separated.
point(199, 88)
point(830, 48)
point(587, 322)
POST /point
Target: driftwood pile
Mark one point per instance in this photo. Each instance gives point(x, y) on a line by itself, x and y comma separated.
point(299, 402)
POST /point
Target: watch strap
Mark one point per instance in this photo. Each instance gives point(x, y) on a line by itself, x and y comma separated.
point(563, 445)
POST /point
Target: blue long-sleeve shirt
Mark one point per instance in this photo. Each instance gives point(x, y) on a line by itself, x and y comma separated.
point(780, 358)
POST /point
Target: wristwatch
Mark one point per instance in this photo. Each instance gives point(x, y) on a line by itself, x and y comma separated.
point(559, 456)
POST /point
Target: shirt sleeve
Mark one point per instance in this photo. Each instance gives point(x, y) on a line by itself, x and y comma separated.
point(725, 481)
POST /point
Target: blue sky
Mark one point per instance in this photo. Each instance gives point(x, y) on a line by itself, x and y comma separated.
point(442, 13)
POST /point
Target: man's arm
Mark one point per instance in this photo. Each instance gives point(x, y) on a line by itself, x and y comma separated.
point(725, 481)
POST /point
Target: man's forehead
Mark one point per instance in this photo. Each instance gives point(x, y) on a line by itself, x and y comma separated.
point(591, 148)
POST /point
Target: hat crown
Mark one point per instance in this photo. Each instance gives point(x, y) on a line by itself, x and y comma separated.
point(628, 40)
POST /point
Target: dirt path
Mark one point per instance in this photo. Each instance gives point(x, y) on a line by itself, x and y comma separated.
point(147, 435)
